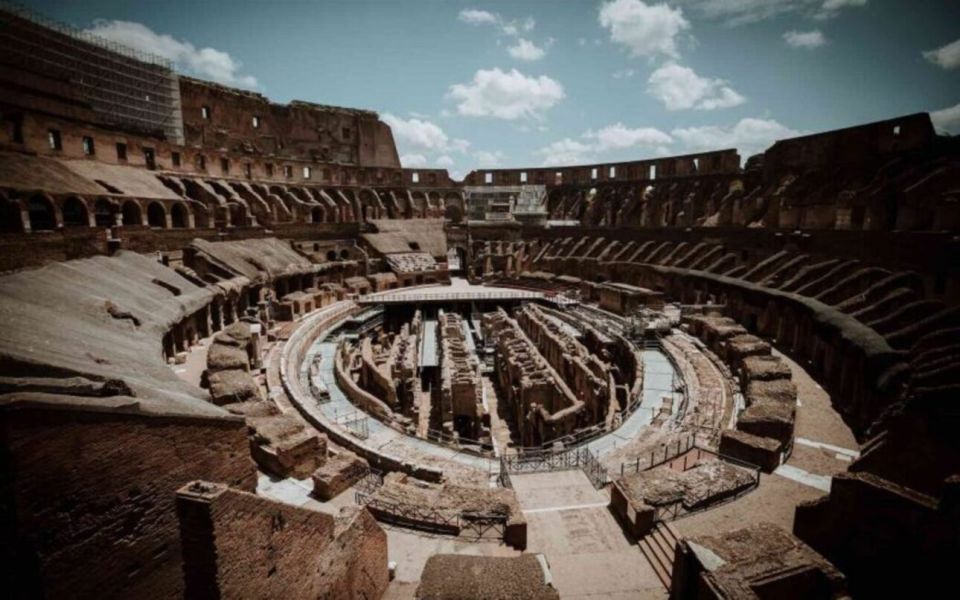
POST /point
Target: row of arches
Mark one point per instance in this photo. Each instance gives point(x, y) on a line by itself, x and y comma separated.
point(42, 212)
point(222, 207)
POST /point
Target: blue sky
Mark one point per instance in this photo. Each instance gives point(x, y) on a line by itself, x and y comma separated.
point(483, 84)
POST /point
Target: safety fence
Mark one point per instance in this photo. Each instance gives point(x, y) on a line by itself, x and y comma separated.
point(542, 461)
point(466, 524)
point(712, 496)
point(659, 456)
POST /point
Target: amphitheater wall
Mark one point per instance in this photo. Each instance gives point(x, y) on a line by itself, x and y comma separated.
point(847, 357)
point(18, 250)
point(97, 478)
point(934, 256)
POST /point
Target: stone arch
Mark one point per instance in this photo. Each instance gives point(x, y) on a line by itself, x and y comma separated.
point(344, 254)
point(104, 213)
point(11, 218)
point(202, 215)
point(43, 216)
point(75, 213)
point(317, 214)
point(179, 216)
point(238, 214)
point(156, 215)
point(453, 213)
point(131, 213)
point(331, 255)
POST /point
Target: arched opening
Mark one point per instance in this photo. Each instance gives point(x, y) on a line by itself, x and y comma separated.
point(42, 217)
point(331, 255)
point(452, 213)
point(131, 213)
point(103, 212)
point(344, 254)
point(10, 219)
point(156, 215)
point(74, 213)
point(317, 214)
point(238, 215)
point(179, 217)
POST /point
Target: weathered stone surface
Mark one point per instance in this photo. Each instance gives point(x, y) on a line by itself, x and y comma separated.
point(237, 544)
point(284, 446)
point(337, 473)
point(232, 385)
point(489, 577)
point(761, 451)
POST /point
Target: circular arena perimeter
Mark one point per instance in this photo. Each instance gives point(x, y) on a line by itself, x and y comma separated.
point(256, 349)
point(513, 417)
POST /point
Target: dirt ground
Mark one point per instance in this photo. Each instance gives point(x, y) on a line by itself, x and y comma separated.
point(589, 555)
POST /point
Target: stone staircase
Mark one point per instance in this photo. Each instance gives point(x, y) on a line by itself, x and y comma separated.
point(659, 548)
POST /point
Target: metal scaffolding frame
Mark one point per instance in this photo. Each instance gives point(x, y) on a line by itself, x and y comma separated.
point(123, 86)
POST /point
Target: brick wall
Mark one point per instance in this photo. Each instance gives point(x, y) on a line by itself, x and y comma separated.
point(88, 493)
point(237, 544)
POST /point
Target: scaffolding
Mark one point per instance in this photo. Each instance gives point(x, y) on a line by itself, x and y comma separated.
point(124, 87)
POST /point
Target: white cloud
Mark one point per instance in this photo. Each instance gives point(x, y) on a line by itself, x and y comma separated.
point(618, 136)
point(506, 95)
point(805, 39)
point(947, 120)
point(444, 161)
point(749, 136)
point(565, 152)
point(610, 138)
point(581, 41)
point(946, 57)
point(832, 8)
point(413, 160)
point(477, 17)
point(208, 63)
point(526, 50)
point(647, 30)
point(680, 88)
point(488, 159)
point(419, 134)
point(624, 74)
point(483, 17)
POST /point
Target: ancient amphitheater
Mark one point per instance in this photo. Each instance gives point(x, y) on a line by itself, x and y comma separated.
point(239, 363)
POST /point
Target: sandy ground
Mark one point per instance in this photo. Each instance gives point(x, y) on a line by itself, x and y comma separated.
point(192, 369)
point(589, 555)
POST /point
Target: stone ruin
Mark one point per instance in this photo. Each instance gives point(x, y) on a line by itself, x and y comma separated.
point(135, 256)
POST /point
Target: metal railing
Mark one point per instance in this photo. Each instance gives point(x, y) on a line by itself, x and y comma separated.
point(356, 422)
point(390, 297)
point(459, 442)
point(657, 457)
point(469, 524)
point(543, 461)
point(730, 490)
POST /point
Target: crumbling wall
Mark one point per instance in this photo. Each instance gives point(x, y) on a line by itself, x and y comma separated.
point(542, 405)
point(460, 387)
point(237, 544)
point(96, 478)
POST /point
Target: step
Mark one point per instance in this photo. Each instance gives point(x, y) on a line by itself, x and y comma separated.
point(666, 546)
point(662, 574)
point(671, 531)
point(662, 558)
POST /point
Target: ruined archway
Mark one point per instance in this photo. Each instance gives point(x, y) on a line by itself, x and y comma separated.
point(131, 213)
point(103, 212)
point(179, 216)
point(156, 215)
point(75, 213)
point(42, 214)
point(11, 220)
